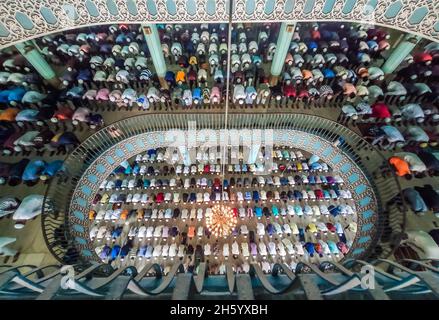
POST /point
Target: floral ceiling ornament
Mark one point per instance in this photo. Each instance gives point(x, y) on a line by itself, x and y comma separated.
point(221, 221)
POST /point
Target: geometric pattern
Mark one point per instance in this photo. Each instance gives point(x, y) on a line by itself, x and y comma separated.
point(28, 19)
point(362, 191)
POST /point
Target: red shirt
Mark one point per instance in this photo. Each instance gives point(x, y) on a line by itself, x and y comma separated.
point(380, 110)
point(63, 113)
point(319, 194)
point(330, 227)
point(303, 94)
point(192, 75)
point(422, 57)
point(160, 197)
point(315, 35)
point(289, 90)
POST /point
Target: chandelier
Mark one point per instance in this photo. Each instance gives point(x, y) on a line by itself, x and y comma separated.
point(222, 221)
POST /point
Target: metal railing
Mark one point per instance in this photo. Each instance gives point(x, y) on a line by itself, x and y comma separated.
point(391, 222)
point(386, 280)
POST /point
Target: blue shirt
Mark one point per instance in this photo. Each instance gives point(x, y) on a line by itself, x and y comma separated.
point(392, 133)
point(75, 92)
point(328, 73)
point(27, 115)
point(53, 167)
point(142, 251)
point(128, 170)
point(16, 94)
point(121, 38)
point(258, 212)
point(67, 138)
point(312, 45)
point(334, 211)
point(313, 159)
point(105, 252)
point(84, 74)
point(33, 170)
point(415, 200)
point(196, 94)
point(115, 252)
point(256, 59)
point(4, 96)
point(310, 248)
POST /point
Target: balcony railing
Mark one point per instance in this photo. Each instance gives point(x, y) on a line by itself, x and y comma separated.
point(389, 280)
point(380, 237)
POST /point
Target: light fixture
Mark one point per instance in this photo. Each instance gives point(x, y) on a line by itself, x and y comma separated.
point(222, 221)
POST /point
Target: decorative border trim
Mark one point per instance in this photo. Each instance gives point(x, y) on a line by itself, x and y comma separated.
point(28, 19)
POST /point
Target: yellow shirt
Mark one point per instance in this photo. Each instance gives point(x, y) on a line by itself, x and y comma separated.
point(193, 60)
point(181, 76)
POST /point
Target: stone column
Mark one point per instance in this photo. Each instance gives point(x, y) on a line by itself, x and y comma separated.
point(399, 53)
point(153, 41)
point(282, 46)
point(36, 59)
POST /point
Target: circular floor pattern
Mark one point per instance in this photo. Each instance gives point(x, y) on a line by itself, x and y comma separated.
point(357, 186)
point(150, 211)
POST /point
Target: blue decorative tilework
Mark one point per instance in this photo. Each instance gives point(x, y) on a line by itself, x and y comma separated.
point(86, 252)
point(81, 241)
point(86, 189)
point(170, 5)
point(317, 145)
point(365, 201)
point(364, 239)
point(100, 168)
point(132, 9)
point(48, 15)
point(366, 227)
point(346, 167)
point(329, 4)
point(349, 5)
point(92, 9)
point(367, 214)
point(327, 151)
point(81, 202)
point(24, 20)
point(269, 6)
point(92, 178)
point(358, 251)
point(353, 178)
point(112, 7)
point(393, 9)
point(78, 214)
point(337, 159)
point(110, 160)
point(360, 189)
point(78, 228)
point(119, 153)
point(140, 143)
point(309, 5)
point(306, 140)
point(130, 147)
